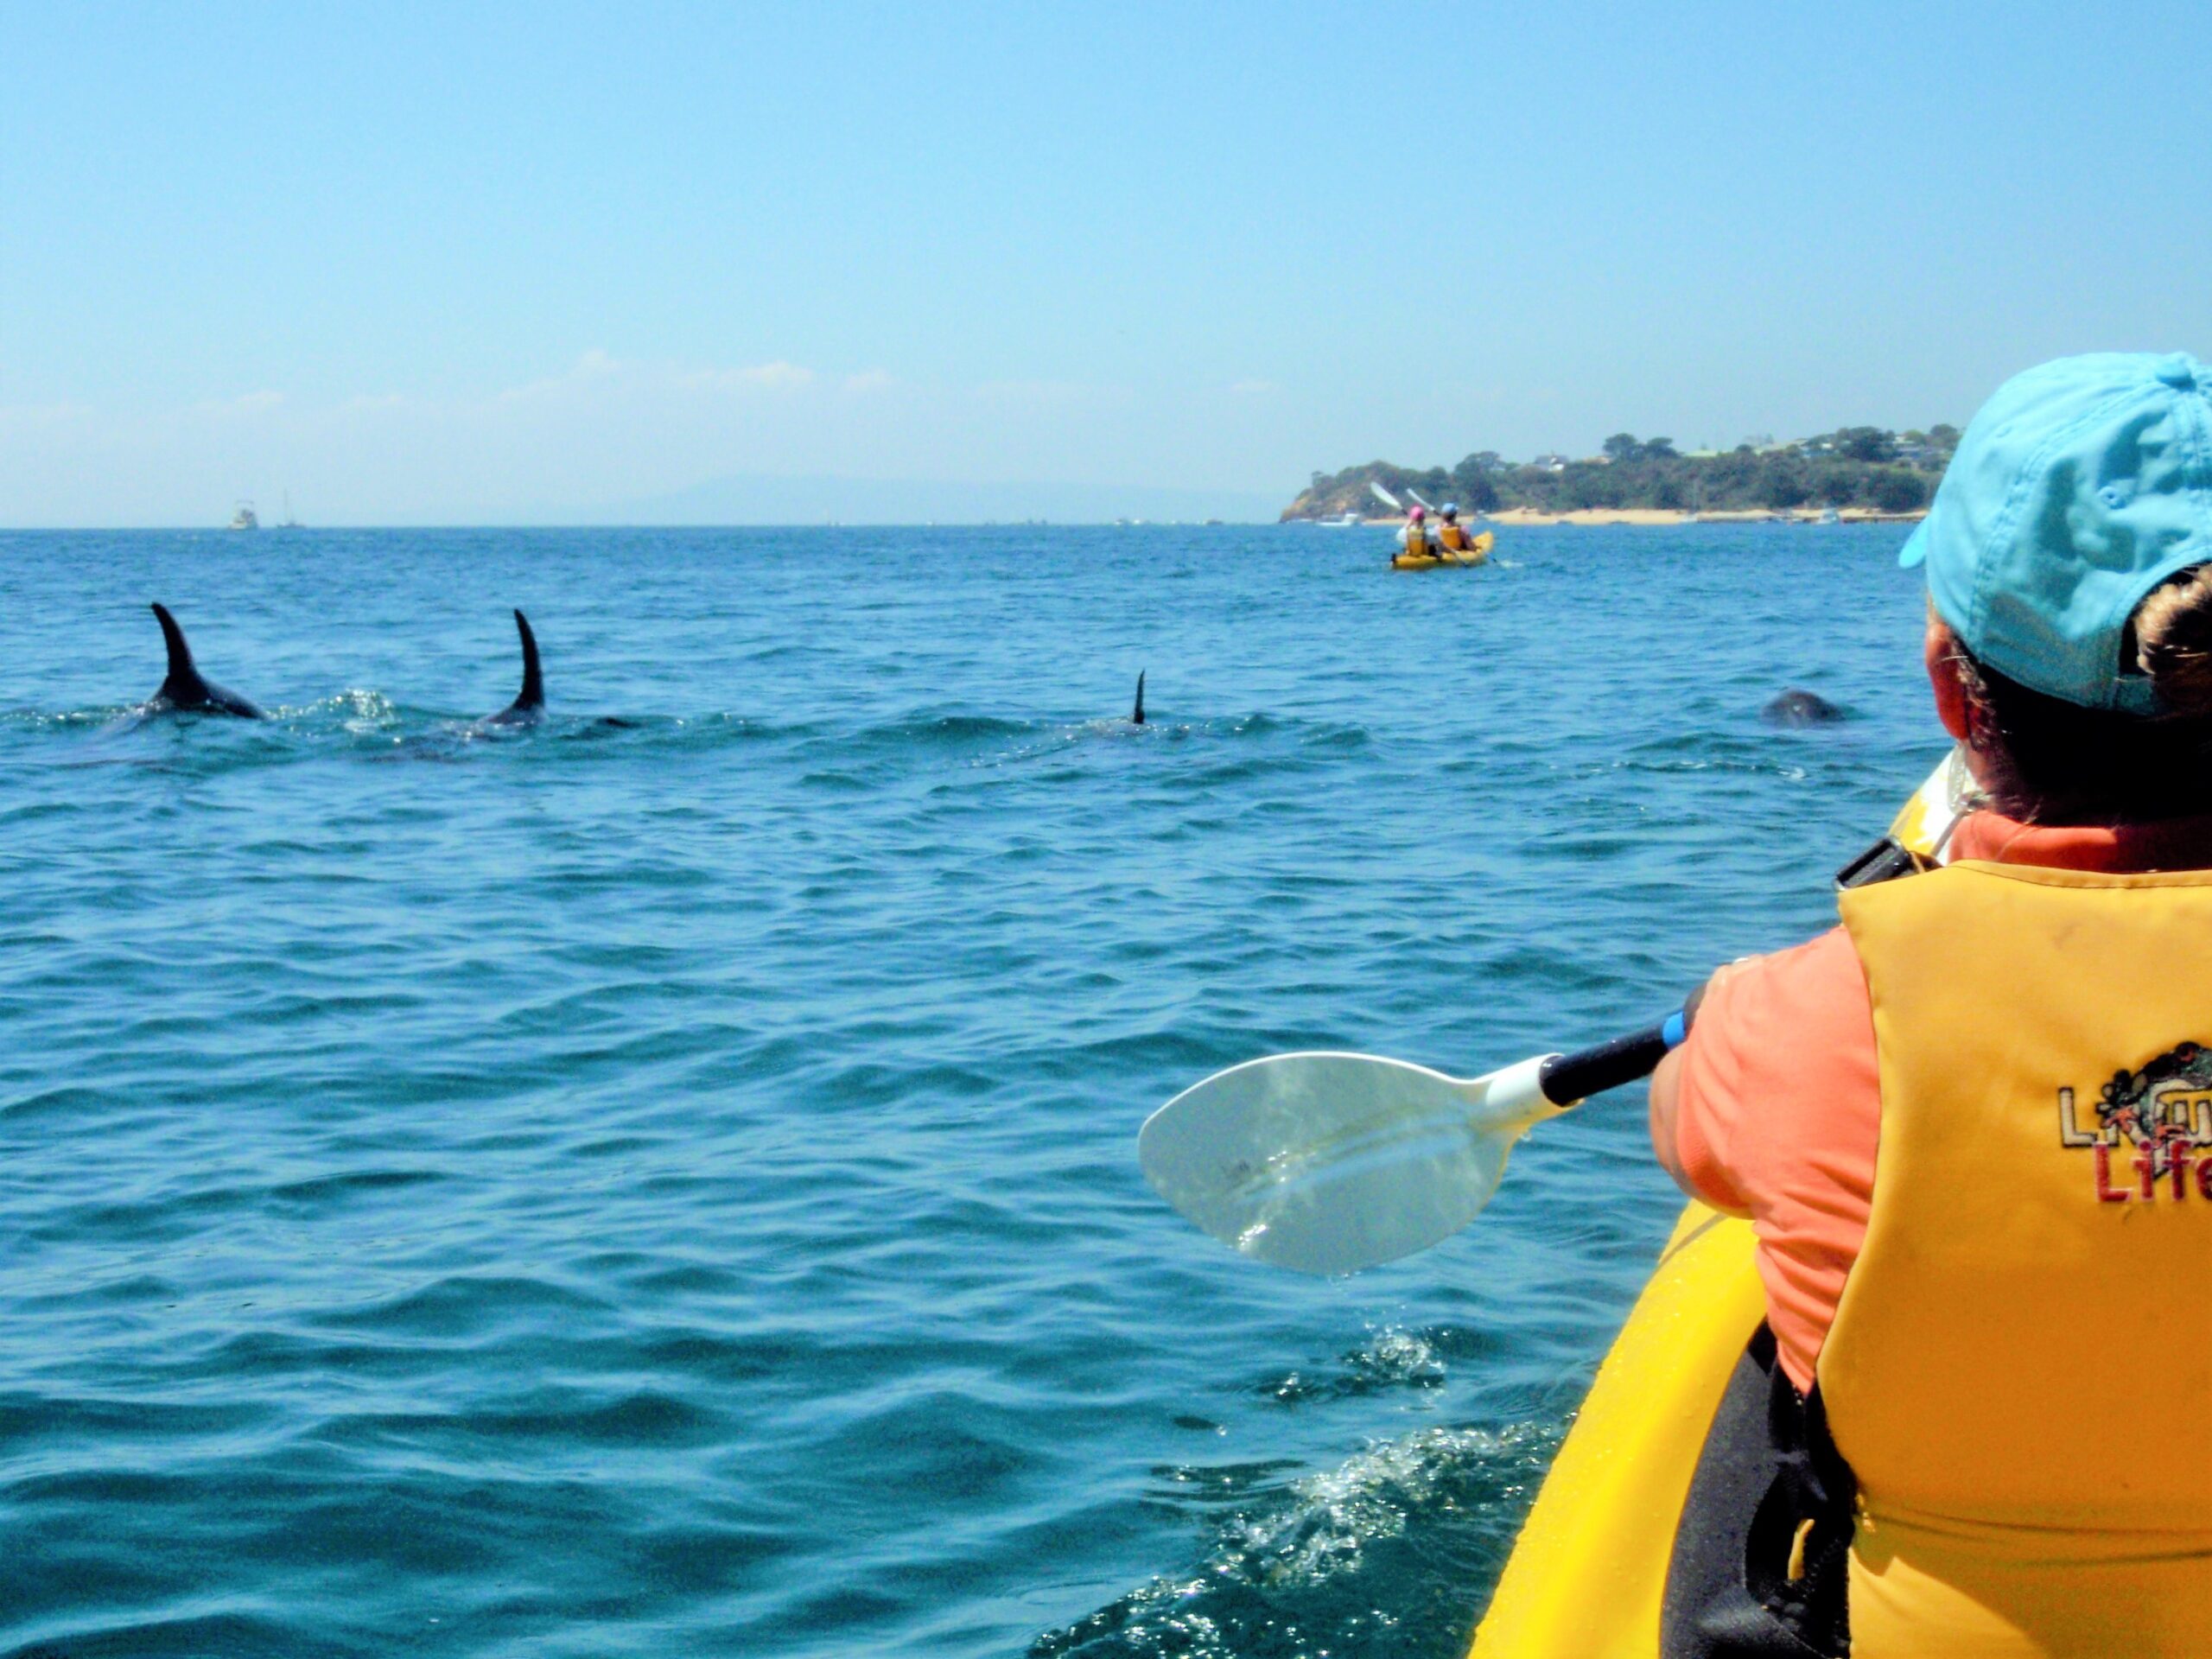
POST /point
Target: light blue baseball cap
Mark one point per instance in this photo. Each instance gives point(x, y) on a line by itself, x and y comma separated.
point(2079, 488)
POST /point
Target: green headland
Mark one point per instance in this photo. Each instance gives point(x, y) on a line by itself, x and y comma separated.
point(1864, 471)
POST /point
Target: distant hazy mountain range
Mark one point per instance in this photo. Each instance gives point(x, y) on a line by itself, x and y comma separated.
point(761, 500)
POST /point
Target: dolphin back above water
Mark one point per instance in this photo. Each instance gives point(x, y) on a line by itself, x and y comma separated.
point(1797, 707)
point(186, 691)
point(528, 706)
point(1136, 715)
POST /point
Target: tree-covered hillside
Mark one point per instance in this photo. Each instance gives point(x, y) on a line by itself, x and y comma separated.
point(1856, 467)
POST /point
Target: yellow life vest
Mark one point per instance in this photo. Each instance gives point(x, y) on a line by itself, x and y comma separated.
point(1416, 537)
point(2020, 1369)
point(1450, 536)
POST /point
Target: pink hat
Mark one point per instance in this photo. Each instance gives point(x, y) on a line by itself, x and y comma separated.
point(1420, 513)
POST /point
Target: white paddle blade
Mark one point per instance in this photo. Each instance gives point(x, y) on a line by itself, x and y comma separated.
point(1385, 497)
point(1328, 1163)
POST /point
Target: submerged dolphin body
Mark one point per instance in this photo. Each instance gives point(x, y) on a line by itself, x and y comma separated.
point(1136, 716)
point(185, 690)
point(1800, 707)
point(528, 706)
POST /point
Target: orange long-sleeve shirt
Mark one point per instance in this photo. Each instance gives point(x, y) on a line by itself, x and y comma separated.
point(1780, 1110)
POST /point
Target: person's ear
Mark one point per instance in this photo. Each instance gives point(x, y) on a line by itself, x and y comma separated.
point(1941, 652)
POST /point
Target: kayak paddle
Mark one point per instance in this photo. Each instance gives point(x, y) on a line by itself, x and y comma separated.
point(1329, 1163)
point(1392, 501)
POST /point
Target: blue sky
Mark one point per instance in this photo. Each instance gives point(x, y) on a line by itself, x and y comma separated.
point(518, 263)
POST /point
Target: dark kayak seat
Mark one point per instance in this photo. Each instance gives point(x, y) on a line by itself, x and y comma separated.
point(1761, 1552)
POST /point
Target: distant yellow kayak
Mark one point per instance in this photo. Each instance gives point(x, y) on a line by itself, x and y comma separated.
point(1442, 560)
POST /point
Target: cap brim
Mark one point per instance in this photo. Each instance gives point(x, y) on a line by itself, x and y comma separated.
point(1915, 552)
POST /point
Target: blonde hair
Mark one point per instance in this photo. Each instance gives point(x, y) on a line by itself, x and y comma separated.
point(2049, 761)
point(2173, 641)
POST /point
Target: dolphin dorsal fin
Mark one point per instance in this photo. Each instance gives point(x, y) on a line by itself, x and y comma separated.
point(532, 694)
point(1136, 716)
point(182, 686)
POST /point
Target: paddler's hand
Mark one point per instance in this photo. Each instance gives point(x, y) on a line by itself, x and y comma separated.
point(1667, 1083)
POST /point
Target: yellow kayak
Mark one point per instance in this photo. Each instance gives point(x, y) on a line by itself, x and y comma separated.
point(1441, 560)
point(1587, 1573)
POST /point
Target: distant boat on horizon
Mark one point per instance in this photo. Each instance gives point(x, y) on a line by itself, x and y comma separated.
point(244, 518)
point(288, 521)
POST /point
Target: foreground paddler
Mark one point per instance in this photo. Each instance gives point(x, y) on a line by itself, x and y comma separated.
point(1983, 1107)
point(1972, 1125)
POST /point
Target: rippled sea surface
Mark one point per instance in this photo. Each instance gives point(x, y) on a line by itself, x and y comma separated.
point(664, 1182)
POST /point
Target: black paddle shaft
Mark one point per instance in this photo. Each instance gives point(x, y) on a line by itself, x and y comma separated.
point(1568, 1078)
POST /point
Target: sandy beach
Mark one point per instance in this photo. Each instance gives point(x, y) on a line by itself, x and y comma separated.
point(1528, 517)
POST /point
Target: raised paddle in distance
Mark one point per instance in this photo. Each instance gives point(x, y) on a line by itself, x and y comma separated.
point(1392, 501)
point(1329, 1163)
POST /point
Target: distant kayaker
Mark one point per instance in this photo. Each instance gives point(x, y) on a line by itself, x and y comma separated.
point(1415, 535)
point(1972, 1125)
point(1451, 535)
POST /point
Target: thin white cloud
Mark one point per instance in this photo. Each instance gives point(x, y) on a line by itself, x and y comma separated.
point(869, 380)
point(598, 372)
point(779, 375)
point(592, 367)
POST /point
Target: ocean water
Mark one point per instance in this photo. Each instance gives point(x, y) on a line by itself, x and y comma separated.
point(664, 1182)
